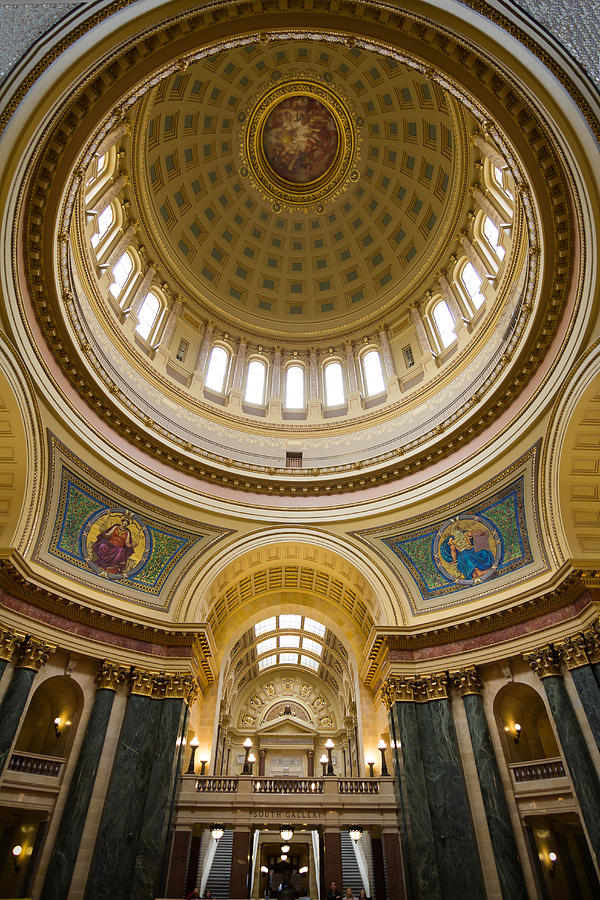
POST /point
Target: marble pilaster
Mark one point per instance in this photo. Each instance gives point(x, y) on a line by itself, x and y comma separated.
point(32, 655)
point(504, 845)
point(158, 792)
point(112, 867)
point(421, 838)
point(448, 803)
point(68, 838)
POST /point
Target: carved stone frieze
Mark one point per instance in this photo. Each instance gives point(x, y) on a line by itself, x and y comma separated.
point(467, 681)
point(545, 661)
point(110, 676)
point(33, 654)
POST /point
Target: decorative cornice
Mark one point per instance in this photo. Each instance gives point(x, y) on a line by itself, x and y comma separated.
point(545, 661)
point(110, 676)
point(467, 681)
point(33, 654)
point(8, 642)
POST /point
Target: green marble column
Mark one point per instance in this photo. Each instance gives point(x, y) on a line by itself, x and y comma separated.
point(160, 785)
point(32, 655)
point(455, 844)
point(504, 845)
point(546, 663)
point(72, 822)
point(575, 654)
point(113, 862)
point(420, 838)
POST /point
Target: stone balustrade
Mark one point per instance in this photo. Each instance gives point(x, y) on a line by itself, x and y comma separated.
point(34, 764)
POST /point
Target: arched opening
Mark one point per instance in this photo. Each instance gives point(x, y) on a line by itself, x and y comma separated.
point(524, 725)
point(51, 720)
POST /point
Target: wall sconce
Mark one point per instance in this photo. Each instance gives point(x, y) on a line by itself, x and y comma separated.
point(303, 870)
point(251, 761)
point(194, 744)
point(217, 832)
point(382, 746)
point(57, 727)
point(371, 763)
point(355, 833)
point(16, 852)
point(553, 860)
point(203, 763)
point(329, 747)
point(287, 833)
point(247, 746)
point(285, 848)
point(323, 762)
point(517, 729)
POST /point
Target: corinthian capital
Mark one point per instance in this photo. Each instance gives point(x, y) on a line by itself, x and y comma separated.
point(592, 642)
point(142, 682)
point(181, 686)
point(467, 681)
point(573, 651)
point(435, 686)
point(33, 654)
point(8, 642)
point(544, 661)
point(110, 675)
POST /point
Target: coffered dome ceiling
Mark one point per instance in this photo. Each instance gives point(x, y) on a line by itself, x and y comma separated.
point(353, 223)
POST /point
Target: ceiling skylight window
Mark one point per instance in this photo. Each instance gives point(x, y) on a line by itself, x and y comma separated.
point(290, 621)
point(312, 646)
point(309, 663)
point(288, 659)
point(267, 661)
point(334, 384)
point(294, 387)
point(255, 382)
point(314, 627)
point(373, 373)
point(265, 646)
point(217, 369)
point(289, 640)
point(265, 626)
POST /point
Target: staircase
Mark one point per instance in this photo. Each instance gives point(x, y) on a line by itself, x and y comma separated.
point(220, 871)
point(351, 877)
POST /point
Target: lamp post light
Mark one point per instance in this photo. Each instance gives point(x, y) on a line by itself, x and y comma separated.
point(247, 745)
point(287, 833)
point(194, 744)
point(285, 848)
point(371, 763)
point(203, 763)
point(323, 762)
point(251, 761)
point(217, 832)
point(355, 833)
point(329, 747)
point(381, 746)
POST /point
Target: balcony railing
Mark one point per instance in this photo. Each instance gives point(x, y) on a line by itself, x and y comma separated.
point(35, 764)
point(208, 784)
point(537, 770)
point(358, 786)
point(288, 785)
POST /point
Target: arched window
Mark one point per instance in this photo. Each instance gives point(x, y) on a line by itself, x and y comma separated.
point(147, 315)
point(372, 373)
point(493, 237)
point(294, 387)
point(121, 272)
point(444, 323)
point(500, 178)
point(334, 384)
point(255, 382)
point(217, 369)
point(472, 285)
point(97, 169)
point(105, 220)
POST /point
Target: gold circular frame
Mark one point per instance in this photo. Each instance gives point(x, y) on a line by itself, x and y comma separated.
point(255, 166)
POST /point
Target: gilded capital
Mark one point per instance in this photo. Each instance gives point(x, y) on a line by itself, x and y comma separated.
point(398, 690)
point(592, 642)
point(309, 753)
point(180, 687)
point(33, 654)
point(467, 681)
point(544, 661)
point(110, 675)
point(142, 683)
point(573, 651)
point(8, 642)
point(435, 686)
